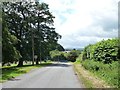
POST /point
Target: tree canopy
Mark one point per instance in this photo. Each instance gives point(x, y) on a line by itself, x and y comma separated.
point(31, 29)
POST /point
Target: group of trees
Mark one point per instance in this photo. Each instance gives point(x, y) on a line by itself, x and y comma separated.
point(27, 29)
point(72, 55)
point(58, 55)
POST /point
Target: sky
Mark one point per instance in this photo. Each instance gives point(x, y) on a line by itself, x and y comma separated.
point(84, 22)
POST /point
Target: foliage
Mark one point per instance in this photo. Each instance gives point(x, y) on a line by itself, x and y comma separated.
point(108, 72)
point(59, 47)
point(0, 34)
point(57, 55)
point(102, 59)
point(10, 54)
point(32, 24)
point(72, 55)
point(104, 51)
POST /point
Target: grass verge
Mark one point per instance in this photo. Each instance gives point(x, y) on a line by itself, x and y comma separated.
point(88, 78)
point(11, 72)
point(106, 72)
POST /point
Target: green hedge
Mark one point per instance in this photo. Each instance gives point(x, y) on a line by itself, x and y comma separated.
point(102, 59)
point(105, 51)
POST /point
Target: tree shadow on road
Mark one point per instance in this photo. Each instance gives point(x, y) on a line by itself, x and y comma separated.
point(59, 65)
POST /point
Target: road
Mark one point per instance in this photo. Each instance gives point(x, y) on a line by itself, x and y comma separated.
point(57, 75)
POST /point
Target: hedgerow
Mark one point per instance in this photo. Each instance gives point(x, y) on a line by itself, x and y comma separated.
point(102, 59)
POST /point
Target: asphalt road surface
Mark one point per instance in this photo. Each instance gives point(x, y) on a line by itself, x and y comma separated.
point(57, 75)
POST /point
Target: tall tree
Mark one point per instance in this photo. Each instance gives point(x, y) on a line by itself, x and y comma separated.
point(0, 32)
point(44, 33)
point(32, 24)
point(10, 54)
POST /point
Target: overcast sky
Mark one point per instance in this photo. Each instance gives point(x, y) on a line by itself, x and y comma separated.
point(83, 22)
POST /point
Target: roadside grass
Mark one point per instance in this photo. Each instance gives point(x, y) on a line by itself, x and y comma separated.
point(86, 83)
point(10, 72)
point(106, 72)
point(89, 79)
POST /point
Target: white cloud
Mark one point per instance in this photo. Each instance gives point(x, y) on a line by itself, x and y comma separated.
point(81, 22)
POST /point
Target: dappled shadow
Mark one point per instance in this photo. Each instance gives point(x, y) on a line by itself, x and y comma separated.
point(14, 79)
point(65, 61)
point(59, 65)
point(7, 73)
point(38, 65)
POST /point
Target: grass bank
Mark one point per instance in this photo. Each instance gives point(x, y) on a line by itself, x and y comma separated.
point(10, 72)
point(106, 72)
point(89, 79)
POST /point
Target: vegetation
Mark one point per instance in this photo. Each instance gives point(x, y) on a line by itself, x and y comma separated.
point(102, 59)
point(72, 55)
point(0, 34)
point(27, 31)
point(10, 72)
point(10, 54)
point(60, 55)
point(104, 51)
point(107, 72)
point(89, 79)
point(57, 55)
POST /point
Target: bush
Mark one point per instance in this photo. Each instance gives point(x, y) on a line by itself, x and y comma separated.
point(108, 72)
point(105, 51)
point(102, 59)
point(71, 56)
point(57, 55)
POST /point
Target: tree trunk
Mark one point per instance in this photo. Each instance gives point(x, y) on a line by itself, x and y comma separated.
point(40, 58)
point(32, 47)
point(3, 64)
point(20, 62)
point(37, 62)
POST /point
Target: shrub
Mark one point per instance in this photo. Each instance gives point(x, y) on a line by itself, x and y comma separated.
point(105, 51)
point(72, 55)
point(108, 72)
